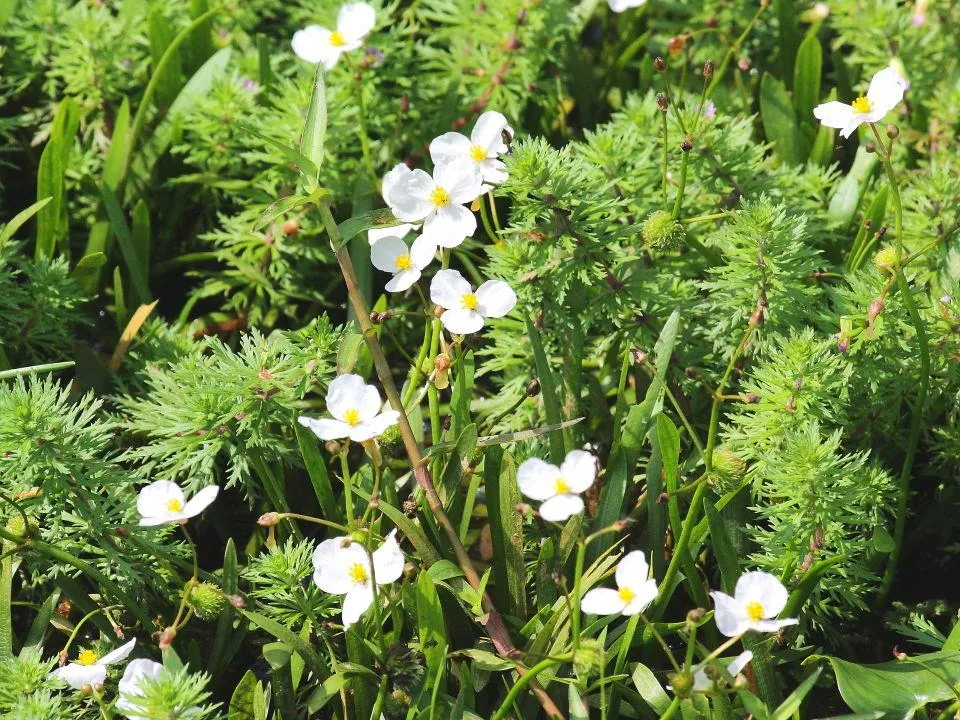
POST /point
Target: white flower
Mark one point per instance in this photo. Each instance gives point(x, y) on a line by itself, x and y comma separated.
point(163, 502)
point(88, 669)
point(400, 231)
point(758, 597)
point(702, 682)
point(316, 44)
point(438, 201)
point(464, 309)
point(558, 487)
point(355, 407)
point(884, 94)
point(485, 144)
point(342, 567)
point(129, 687)
point(392, 255)
point(634, 590)
point(618, 6)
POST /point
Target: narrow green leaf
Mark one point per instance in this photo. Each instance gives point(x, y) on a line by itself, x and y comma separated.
point(19, 219)
point(242, 703)
point(846, 196)
point(317, 470)
point(430, 627)
point(779, 119)
point(51, 216)
point(305, 165)
point(199, 46)
point(722, 547)
point(169, 78)
point(559, 444)
point(285, 635)
point(38, 628)
point(315, 127)
point(650, 689)
point(506, 531)
point(140, 233)
point(408, 528)
point(806, 82)
point(278, 208)
point(579, 710)
point(136, 267)
point(380, 218)
point(792, 704)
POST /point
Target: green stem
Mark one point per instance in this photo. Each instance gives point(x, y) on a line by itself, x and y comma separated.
point(6, 599)
point(666, 155)
point(671, 711)
point(663, 643)
point(347, 484)
point(524, 680)
point(683, 182)
point(725, 63)
point(575, 605)
point(485, 219)
point(34, 369)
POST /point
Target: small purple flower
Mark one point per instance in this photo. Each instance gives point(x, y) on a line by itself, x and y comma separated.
point(126, 63)
point(373, 57)
point(711, 110)
point(919, 19)
point(251, 85)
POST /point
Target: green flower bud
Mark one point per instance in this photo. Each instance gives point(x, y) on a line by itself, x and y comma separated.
point(885, 259)
point(728, 470)
point(16, 525)
point(589, 659)
point(662, 232)
point(206, 600)
point(681, 683)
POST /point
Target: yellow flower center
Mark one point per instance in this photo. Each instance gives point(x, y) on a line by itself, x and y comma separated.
point(440, 197)
point(351, 416)
point(358, 573)
point(174, 505)
point(754, 611)
point(626, 594)
point(403, 262)
point(337, 39)
point(470, 301)
point(86, 657)
point(861, 105)
point(478, 153)
point(560, 485)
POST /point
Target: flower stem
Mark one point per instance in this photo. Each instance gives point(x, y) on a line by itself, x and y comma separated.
point(575, 605)
point(663, 643)
point(526, 678)
point(671, 711)
point(495, 627)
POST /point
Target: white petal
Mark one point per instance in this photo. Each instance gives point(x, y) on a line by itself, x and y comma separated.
point(561, 507)
point(396, 176)
point(161, 519)
point(313, 44)
point(459, 178)
point(492, 171)
point(729, 615)
point(448, 288)
point(834, 114)
point(355, 21)
point(602, 601)
point(885, 92)
point(772, 625)
point(408, 194)
point(701, 682)
point(495, 299)
point(388, 560)
point(355, 603)
point(199, 502)
point(632, 570)
point(384, 420)
point(129, 687)
point(739, 662)
point(120, 653)
point(422, 251)
point(154, 499)
point(644, 595)
point(462, 321)
point(369, 403)
point(77, 675)
point(398, 231)
point(579, 469)
point(618, 6)
point(450, 224)
point(488, 132)
point(345, 393)
point(325, 428)
point(402, 280)
point(332, 561)
point(385, 251)
point(449, 147)
point(855, 122)
point(537, 479)
point(764, 588)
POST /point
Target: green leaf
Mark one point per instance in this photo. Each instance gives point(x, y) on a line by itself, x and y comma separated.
point(866, 238)
point(649, 688)
point(430, 627)
point(352, 227)
point(248, 700)
point(38, 628)
point(51, 216)
point(485, 660)
point(136, 265)
point(506, 531)
point(290, 638)
point(779, 119)
point(579, 710)
point(806, 80)
point(325, 692)
point(846, 197)
point(315, 127)
point(305, 165)
point(723, 548)
point(317, 470)
point(792, 704)
point(458, 462)
point(278, 208)
point(19, 219)
point(170, 75)
point(87, 270)
point(899, 688)
point(559, 444)
point(789, 35)
point(408, 528)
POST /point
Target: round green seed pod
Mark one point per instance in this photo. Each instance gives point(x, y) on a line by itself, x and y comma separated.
point(206, 600)
point(885, 259)
point(589, 659)
point(728, 470)
point(662, 232)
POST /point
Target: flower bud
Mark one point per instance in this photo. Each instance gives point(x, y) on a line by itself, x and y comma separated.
point(16, 525)
point(875, 308)
point(676, 44)
point(237, 601)
point(662, 102)
point(886, 259)
point(708, 69)
point(661, 232)
point(291, 227)
point(892, 131)
point(206, 600)
point(751, 398)
point(589, 659)
point(871, 146)
point(681, 683)
point(332, 447)
point(728, 470)
point(696, 615)
point(817, 13)
point(167, 637)
point(533, 388)
point(269, 519)
point(686, 145)
point(639, 356)
point(658, 64)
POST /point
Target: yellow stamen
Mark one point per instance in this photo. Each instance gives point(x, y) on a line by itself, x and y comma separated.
point(478, 153)
point(403, 262)
point(440, 197)
point(861, 105)
point(351, 416)
point(754, 611)
point(86, 657)
point(174, 505)
point(358, 573)
point(560, 485)
point(470, 301)
point(626, 594)
point(337, 39)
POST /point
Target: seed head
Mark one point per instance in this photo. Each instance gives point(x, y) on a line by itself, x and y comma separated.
point(661, 232)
